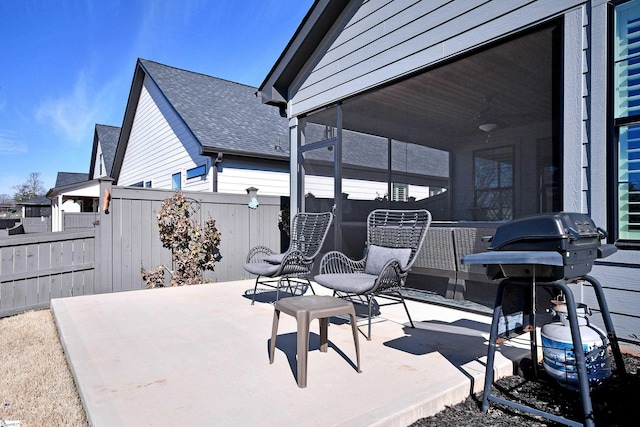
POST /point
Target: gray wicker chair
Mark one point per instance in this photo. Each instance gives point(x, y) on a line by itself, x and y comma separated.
point(394, 239)
point(277, 270)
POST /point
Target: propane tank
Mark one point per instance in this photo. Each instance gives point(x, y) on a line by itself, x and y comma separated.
point(558, 357)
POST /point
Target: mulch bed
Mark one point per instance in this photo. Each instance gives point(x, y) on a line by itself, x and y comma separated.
point(616, 402)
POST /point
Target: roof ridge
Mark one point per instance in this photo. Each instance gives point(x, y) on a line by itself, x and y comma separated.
point(107, 126)
point(142, 60)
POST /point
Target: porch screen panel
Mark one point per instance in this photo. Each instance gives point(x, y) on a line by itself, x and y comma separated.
point(318, 180)
point(627, 117)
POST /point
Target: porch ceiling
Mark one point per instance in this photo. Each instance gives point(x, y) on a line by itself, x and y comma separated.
point(509, 84)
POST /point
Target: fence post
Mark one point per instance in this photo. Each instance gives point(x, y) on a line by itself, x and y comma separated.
point(104, 239)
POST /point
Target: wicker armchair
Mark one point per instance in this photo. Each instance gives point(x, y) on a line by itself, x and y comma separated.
point(277, 270)
point(394, 238)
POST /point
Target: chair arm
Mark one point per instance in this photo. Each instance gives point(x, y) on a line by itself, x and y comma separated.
point(392, 277)
point(335, 262)
point(295, 262)
point(258, 254)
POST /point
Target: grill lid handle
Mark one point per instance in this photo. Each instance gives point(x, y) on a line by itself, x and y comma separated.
point(573, 234)
point(602, 232)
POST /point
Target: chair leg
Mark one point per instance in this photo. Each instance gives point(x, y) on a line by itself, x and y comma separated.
point(255, 289)
point(310, 286)
point(406, 309)
point(354, 330)
point(369, 299)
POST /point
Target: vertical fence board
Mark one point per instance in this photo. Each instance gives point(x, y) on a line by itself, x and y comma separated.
point(88, 251)
point(44, 289)
point(77, 280)
point(33, 254)
point(19, 260)
point(146, 237)
point(6, 295)
point(67, 260)
point(20, 293)
point(55, 249)
point(31, 297)
point(116, 249)
point(132, 281)
point(55, 286)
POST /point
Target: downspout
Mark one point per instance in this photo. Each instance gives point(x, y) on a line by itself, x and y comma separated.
point(214, 175)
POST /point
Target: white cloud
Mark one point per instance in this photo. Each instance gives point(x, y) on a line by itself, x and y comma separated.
point(9, 143)
point(72, 116)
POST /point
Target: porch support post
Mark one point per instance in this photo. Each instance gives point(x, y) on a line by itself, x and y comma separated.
point(294, 166)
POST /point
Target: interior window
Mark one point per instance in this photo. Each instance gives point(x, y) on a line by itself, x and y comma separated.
point(493, 184)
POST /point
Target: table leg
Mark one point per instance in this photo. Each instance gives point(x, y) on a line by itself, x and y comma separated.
point(303, 349)
point(274, 333)
point(324, 340)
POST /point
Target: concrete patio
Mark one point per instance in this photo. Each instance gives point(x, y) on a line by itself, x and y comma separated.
point(199, 355)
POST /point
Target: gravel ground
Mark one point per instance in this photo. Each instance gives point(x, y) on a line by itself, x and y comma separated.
point(616, 402)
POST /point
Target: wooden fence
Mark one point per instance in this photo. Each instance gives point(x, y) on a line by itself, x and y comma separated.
point(78, 220)
point(37, 268)
point(107, 258)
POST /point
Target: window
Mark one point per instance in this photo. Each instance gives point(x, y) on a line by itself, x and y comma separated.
point(101, 161)
point(137, 184)
point(493, 184)
point(400, 192)
point(176, 181)
point(147, 184)
point(199, 171)
point(626, 115)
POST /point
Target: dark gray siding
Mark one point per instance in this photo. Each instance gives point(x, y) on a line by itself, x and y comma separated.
point(383, 40)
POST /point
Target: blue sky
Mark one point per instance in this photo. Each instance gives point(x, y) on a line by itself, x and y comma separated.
point(66, 65)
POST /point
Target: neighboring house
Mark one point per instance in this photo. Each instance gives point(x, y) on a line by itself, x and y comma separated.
point(36, 215)
point(74, 202)
point(73, 193)
point(36, 207)
point(533, 105)
point(186, 130)
point(79, 192)
point(105, 142)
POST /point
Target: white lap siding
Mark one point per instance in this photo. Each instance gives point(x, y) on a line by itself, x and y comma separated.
point(160, 145)
point(99, 164)
point(268, 183)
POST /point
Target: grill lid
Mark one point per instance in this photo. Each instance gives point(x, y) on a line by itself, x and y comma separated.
point(547, 232)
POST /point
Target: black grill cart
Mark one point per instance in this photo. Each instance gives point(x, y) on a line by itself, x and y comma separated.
point(549, 250)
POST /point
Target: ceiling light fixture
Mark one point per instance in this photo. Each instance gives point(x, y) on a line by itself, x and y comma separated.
point(488, 127)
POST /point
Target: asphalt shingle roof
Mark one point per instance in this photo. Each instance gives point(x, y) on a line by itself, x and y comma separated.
point(222, 114)
point(108, 136)
point(68, 178)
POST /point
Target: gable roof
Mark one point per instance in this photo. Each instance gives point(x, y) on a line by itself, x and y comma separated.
point(36, 201)
point(322, 15)
point(223, 116)
point(107, 137)
point(68, 178)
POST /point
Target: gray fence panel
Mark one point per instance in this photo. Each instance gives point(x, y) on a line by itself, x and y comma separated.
point(78, 220)
point(136, 240)
point(35, 268)
point(37, 224)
